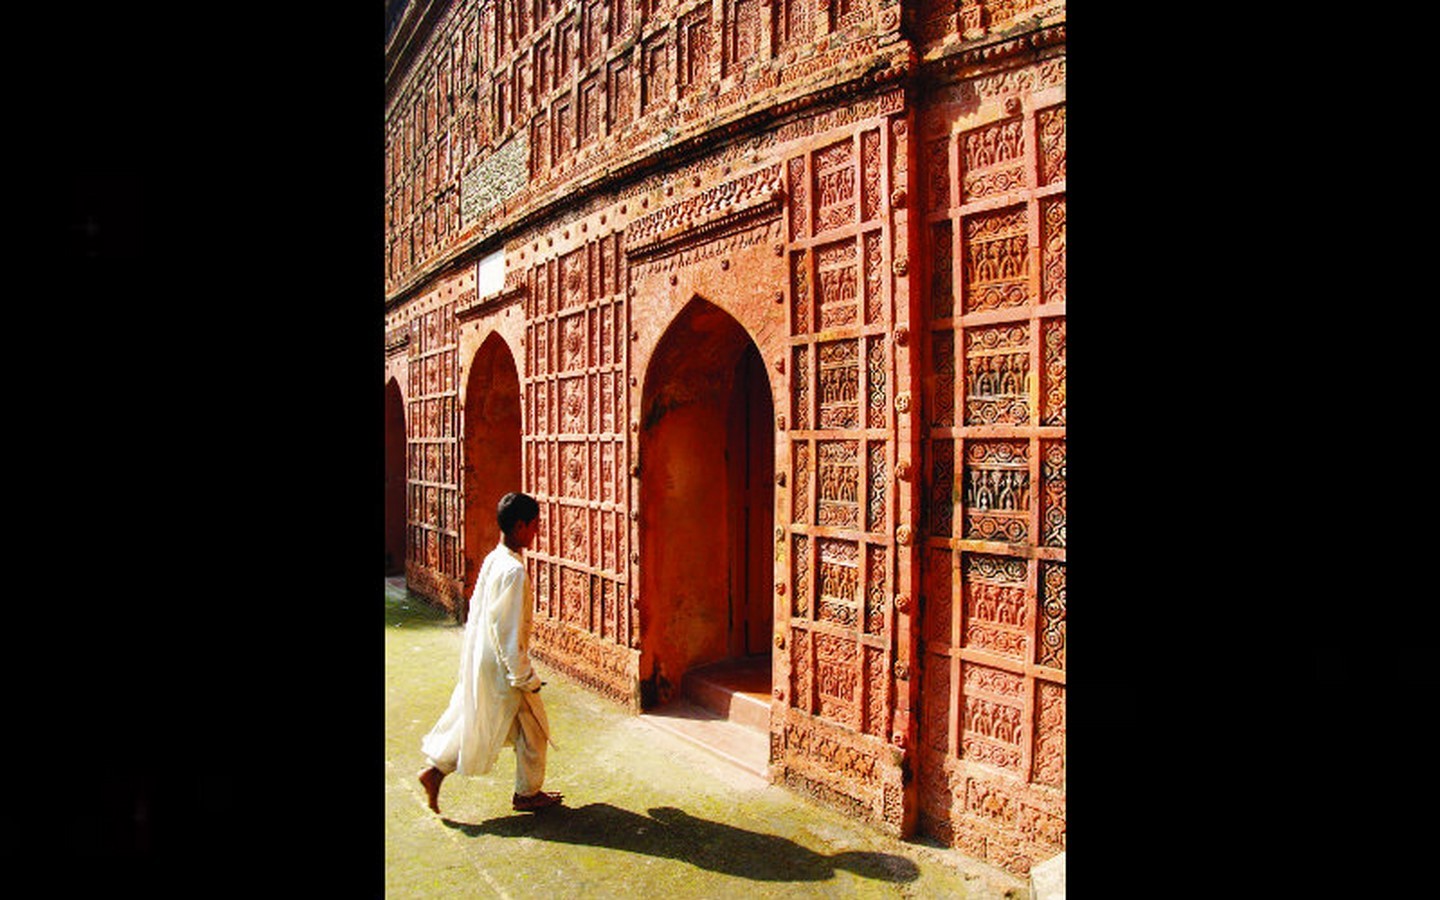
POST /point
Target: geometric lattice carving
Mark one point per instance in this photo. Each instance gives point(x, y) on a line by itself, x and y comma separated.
point(874, 278)
point(1051, 125)
point(937, 159)
point(939, 618)
point(1052, 243)
point(870, 173)
point(876, 368)
point(1052, 402)
point(877, 684)
point(800, 381)
point(1052, 500)
point(799, 197)
point(1050, 650)
point(942, 271)
point(877, 482)
point(943, 351)
point(800, 493)
point(800, 572)
point(936, 704)
point(800, 291)
point(942, 485)
point(877, 591)
point(1049, 765)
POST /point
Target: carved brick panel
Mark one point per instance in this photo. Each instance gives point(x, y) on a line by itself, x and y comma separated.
point(1052, 498)
point(844, 407)
point(995, 603)
point(1050, 734)
point(1051, 125)
point(576, 459)
point(835, 177)
point(1051, 641)
point(839, 482)
point(992, 160)
point(839, 380)
point(992, 760)
point(1052, 404)
point(997, 261)
point(997, 360)
point(1053, 249)
point(997, 490)
point(433, 516)
point(837, 270)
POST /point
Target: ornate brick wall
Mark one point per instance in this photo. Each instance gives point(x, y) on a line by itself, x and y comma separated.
point(881, 214)
point(992, 755)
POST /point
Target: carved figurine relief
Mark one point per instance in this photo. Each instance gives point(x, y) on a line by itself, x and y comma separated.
point(997, 361)
point(834, 186)
point(992, 160)
point(837, 273)
point(839, 477)
point(996, 612)
point(839, 384)
point(997, 490)
point(997, 267)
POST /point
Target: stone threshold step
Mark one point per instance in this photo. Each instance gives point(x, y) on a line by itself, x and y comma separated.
point(741, 707)
point(744, 747)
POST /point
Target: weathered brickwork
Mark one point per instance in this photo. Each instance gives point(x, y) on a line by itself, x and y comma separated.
point(628, 199)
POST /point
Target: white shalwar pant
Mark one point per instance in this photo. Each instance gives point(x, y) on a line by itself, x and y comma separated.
point(529, 754)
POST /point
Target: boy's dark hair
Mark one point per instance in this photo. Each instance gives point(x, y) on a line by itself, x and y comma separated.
point(516, 507)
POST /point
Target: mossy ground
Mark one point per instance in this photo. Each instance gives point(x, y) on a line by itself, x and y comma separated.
point(644, 810)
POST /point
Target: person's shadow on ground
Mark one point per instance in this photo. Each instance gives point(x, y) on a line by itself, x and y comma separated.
point(673, 833)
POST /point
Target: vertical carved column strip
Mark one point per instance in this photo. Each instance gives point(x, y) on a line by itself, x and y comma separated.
point(902, 160)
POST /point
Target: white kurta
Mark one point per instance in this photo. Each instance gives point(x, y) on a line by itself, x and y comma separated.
point(496, 681)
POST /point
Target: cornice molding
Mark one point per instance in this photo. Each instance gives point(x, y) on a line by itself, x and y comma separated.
point(484, 305)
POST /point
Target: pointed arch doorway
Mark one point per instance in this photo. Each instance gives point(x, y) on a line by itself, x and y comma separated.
point(492, 451)
point(394, 480)
point(706, 510)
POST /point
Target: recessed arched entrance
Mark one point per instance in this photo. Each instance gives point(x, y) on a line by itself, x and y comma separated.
point(707, 458)
point(394, 479)
point(492, 450)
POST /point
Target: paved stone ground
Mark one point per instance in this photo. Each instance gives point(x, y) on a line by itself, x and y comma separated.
point(645, 810)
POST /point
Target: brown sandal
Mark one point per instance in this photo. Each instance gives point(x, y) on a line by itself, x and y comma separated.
point(537, 800)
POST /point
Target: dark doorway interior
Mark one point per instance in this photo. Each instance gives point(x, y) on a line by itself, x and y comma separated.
point(492, 449)
point(394, 480)
point(707, 514)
